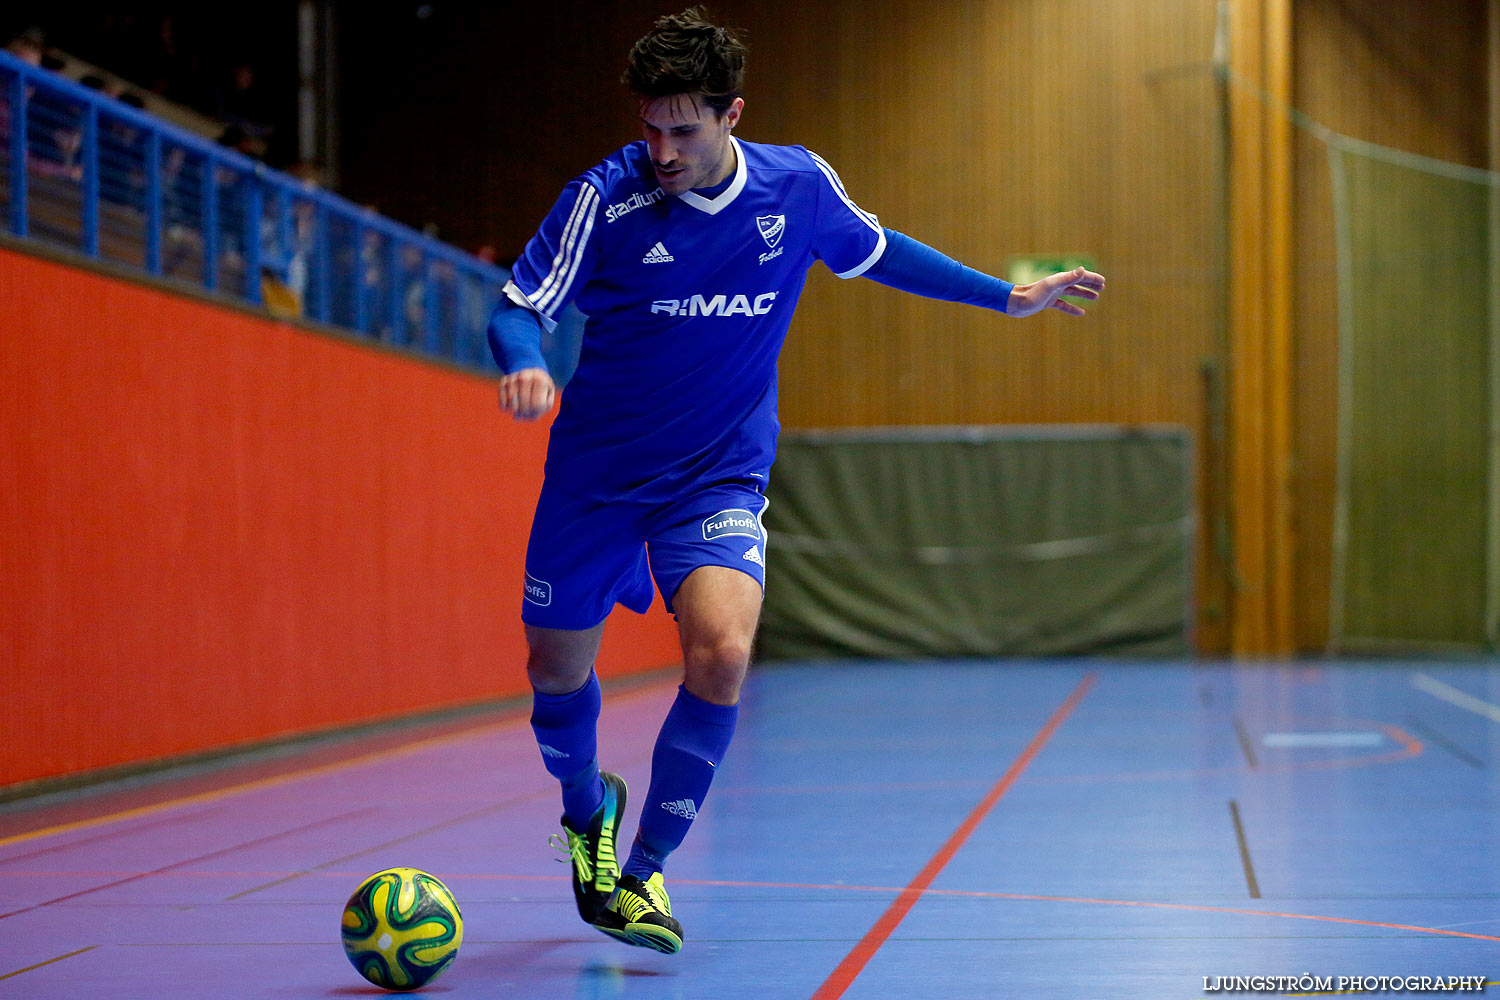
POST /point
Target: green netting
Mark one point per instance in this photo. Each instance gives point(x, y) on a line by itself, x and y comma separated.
point(979, 542)
point(1410, 544)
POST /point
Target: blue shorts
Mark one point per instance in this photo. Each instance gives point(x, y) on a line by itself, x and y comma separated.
point(585, 555)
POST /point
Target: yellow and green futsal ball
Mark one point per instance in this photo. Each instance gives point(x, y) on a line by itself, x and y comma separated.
point(402, 928)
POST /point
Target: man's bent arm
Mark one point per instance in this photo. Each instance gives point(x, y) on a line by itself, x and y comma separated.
point(526, 390)
point(915, 267)
point(515, 335)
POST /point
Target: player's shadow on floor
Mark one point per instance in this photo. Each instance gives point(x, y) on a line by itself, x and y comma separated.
point(502, 960)
point(612, 971)
point(376, 991)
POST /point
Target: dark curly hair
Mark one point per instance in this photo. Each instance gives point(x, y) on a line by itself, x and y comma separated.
point(687, 53)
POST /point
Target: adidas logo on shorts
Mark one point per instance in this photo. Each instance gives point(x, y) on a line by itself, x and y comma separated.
point(754, 556)
point(657, 255)
point(686, 808)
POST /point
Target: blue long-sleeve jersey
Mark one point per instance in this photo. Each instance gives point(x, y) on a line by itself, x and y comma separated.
point(689, 299)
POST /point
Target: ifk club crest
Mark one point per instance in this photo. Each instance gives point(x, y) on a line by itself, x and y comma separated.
point(771, 227)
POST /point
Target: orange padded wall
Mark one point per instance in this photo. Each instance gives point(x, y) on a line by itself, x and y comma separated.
point(218, 528)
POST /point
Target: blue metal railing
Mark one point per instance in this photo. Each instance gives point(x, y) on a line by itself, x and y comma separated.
point(87, 173)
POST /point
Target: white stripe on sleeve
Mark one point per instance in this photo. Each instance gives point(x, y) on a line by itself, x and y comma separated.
point(569, 252)
point(583, 242)
point(562, 246)
point(838, 185)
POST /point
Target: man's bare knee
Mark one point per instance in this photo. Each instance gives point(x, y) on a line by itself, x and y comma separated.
point(716, 653)
point(718, 609)
point(560, 659)
point(715, 669)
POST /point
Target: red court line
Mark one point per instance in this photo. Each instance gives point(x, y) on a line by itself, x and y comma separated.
point(1089, 900)
point(1219, 909)
point(854, 963)
point(346, 876)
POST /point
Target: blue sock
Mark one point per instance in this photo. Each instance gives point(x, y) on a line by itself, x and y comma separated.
point(691, 745)
point(566, 727)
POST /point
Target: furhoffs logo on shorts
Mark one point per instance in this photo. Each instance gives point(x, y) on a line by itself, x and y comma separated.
point(731, 522)
point(538, 591)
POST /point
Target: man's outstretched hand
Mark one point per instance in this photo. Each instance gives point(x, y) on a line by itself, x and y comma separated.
point(528, 393)
point(1028, 300)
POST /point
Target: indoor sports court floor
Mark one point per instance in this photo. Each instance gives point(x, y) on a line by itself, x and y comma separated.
point(1064, 829)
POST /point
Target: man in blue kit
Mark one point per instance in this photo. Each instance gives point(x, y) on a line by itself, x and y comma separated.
point(687, 252)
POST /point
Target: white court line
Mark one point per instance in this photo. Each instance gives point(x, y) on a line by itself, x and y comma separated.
point(1454, 696)
point(1470, 923)
point(1355, 739)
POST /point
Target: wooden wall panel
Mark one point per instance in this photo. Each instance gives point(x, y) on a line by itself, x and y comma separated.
point(1411, 76)
point(987, 129)
point(991, 130)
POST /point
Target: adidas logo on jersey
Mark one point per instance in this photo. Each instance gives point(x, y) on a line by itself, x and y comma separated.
point(754, 556)
point(657, 255)
point(686, 808)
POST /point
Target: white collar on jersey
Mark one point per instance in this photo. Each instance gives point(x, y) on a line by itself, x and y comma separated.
point(713, 206)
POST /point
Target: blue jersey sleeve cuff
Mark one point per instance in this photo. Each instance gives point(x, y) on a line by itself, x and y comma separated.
point(915, 267)
point(513, 292)
point(515, 335)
